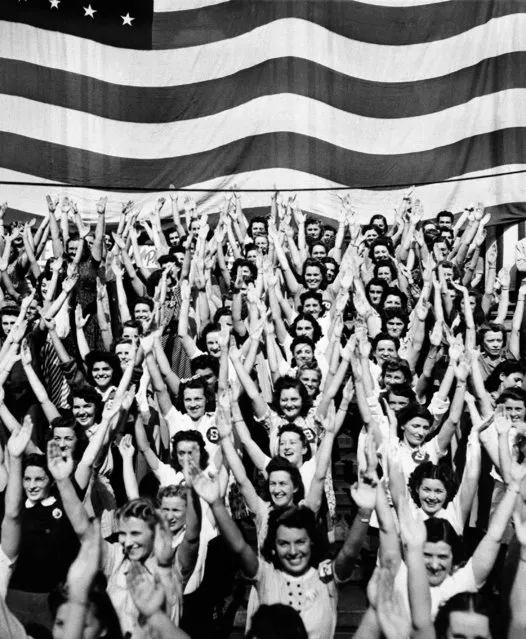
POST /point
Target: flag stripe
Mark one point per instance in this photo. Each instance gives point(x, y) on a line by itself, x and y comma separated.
point(265, 115)
point(282, 149)
point(370, 23)
point(284, 38)
point(293, 75)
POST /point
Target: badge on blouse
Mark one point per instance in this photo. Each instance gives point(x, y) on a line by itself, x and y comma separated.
point(57, 513)
point(420, 456)
point(325, 571)
point(309, 434)
point(212, 434)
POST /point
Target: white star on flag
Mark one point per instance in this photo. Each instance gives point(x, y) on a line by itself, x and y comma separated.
point(127, 19)
point(88, 11)
point(54, 4)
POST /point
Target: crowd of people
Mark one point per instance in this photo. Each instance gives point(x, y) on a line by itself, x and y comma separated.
point(170, 436)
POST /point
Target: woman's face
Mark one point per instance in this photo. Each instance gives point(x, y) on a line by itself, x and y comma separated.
point(65, 438)
point(393, 301)
point(319, 251)
point(44, 286)
point(123, 352)
point(312, 381)
point(304, 328)
point(303, 354)
point(293, 549)
point(466, 624)
point(375, 294)
point(136, 538)
point(173, 510)
point(291, 447)
point(188, 450)
point(493, 343)
point(415, 431)
point(395, 327)
point(384, 273)
point(36, 483)
point(83, 412)
point(102, 374)
point(380, 252)
point(194, 402)
point(313, 277)
point(212, 344)
point(93, 628)
point(281, 489)
point(397, 402)
point(472, 303)
point(330, 272)
point(432, 494)
point(385, 349)
point(252, 256)
point(514, 380)
point(438, 558)
point(290, 403)
point(131, 333)
point(261, 242)
point(393, 377)
point(313, 307)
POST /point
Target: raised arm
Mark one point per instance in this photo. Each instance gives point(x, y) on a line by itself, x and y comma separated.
point(50, 410)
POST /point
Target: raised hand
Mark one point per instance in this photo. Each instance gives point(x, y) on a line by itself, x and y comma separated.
point(162, 544)
point(80, 321)
point(69, 283)
point(25, 354)
point(206, 485)
point(145, 589)
point(491, 254)
point(412, 528)
point(501, 420)
point(185, 291)
point(19, 438)
point(126, 447)
point(60, 463)
point(392, 614)
point(435, 336)
point(52, 203)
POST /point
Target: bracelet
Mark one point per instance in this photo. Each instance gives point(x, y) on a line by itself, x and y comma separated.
point(364, 520)
point(164, 565)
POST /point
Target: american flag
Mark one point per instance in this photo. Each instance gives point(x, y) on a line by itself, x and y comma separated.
point(318, 94)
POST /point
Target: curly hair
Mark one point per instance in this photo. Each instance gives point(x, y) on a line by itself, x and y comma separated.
point(299, 341)
point(181, 492)
point(293, 428)
point(193, 383)
point(90, 395)
point(311, 261)
point(411, 412)
point(442, 472)
point(299, 517)
point(287, 382)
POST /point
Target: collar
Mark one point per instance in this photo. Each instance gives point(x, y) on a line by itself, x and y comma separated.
point(48, 501)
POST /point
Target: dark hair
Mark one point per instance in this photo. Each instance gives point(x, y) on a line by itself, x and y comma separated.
point(68, 421)
point(241, 261)
point(293, 517)
point(260, 220)
point(392, 291)
point(397, 364)
point(90, 395)
point(287, 382)
point(294, 428)
point(392, 313)
point(385, 337)
point(402, 390)
point(193, 382)
point(99, 603)
point(311, 295)
point(297, 341)
point(141, 508)
point(378, 216)
point(330, 260)
point(390, 266)
point(111, 359)
point(224, 311)
point(211, 327)
point(143, 300)
point(318, 243)
point(468, 602)
point(411, 412)
point(189, 436)
point(441, 530)
point(441, 471)
point(309, 318)
point(133, 324)
point(369, 227)
point(444, 213)
point(381, 241)
point(448, 264)
point(517, 394)
point(38, 460)
point(376, 281)
point(204, 361)
point(280, 464)
point(507, 367)
point(277, 621)
point(492, 327)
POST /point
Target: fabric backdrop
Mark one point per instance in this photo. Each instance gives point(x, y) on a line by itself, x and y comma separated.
point(301, 94)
